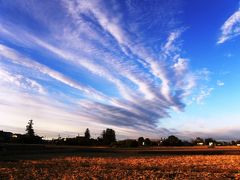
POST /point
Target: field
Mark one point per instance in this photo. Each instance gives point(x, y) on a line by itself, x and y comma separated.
point(107, 163)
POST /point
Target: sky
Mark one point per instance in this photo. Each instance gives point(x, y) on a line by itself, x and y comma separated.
point(143, 68)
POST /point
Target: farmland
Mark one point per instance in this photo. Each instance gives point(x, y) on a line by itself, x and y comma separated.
point(109, 163)
point(166, 167)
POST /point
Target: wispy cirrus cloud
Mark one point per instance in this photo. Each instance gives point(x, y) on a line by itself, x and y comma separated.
point(96, 38)
point(205, 92)
point(15, 57)
point(21, 81)
point(231, 28)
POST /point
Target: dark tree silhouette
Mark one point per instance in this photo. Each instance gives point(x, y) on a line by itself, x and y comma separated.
point(140, 141)
point(30, 136)
point(87, 134)
point(108, 136)
point(29, 128)
point(172, 141)
point(208, 140)
point(148, 142)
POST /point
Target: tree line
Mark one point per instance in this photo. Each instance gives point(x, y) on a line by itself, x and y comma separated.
point(107, 138)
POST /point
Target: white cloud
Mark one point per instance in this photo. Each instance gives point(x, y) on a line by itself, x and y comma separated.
point(220, 83)
point(170, 44)
point(203, 74)
point(20, 81)
point(93, 39)
point(19, 59)
point(205, 92)
point(231, 28)
point(113, 27)
point(47, 113)
point(181, 66)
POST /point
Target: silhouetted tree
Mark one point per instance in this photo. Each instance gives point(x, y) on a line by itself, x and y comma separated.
point(234, 142)
point(87, 134)
point(108, 136)
point(100, 140)
point(30, 136)
point(147, 142)
point(172, 141)
point(208, 140)
point(140, 141)
point(29, 128)
point(5, 136)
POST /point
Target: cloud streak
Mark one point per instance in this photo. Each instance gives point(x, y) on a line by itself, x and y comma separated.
point(119, 80)
point(17, 58)
point(231, 28)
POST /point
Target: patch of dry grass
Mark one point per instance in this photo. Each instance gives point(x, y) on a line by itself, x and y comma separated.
point(154, 167)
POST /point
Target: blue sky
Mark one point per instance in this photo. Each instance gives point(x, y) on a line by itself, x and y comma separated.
point(144, 68)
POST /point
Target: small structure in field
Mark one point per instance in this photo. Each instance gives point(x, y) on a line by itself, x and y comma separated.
point(200, 144)
point(238, 145)
point(16, 135)
point(211, 144)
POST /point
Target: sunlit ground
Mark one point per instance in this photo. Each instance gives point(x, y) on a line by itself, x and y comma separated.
point(165, 167)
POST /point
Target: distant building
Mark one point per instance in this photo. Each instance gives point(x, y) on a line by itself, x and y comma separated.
point(211, 144)
point(14, 136)
point(200, 144)
point(157, 142)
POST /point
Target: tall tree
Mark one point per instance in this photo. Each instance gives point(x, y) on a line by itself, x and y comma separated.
point(140, 141)
point(147, 142)
point(29, 128)
point(172, 141)
point(87, 134)
point(108, 136)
